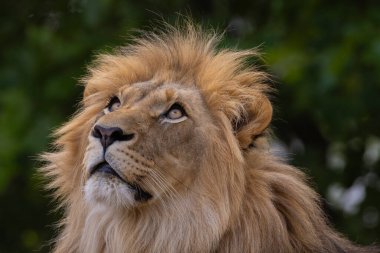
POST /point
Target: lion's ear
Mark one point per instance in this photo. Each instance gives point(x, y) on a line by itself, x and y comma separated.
point(254, 121)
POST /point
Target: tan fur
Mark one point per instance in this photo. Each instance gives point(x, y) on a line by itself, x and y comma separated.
point(215, 187)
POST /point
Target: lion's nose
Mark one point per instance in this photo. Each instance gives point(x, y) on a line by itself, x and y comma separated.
point(109, 135)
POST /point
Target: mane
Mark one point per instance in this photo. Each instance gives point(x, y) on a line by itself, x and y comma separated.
point(268, 205)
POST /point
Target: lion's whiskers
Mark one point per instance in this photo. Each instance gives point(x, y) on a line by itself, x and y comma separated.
point(159, 180)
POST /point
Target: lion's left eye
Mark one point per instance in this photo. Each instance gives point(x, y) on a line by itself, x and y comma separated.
point(113, 104)
point(175, 114)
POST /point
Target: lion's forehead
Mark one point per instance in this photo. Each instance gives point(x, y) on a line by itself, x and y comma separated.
point(156, 96)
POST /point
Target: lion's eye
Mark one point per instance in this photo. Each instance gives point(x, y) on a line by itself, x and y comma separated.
point(113, 104)
point(175, 114)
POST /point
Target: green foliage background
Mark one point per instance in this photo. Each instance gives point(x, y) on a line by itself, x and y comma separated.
point(325, 56)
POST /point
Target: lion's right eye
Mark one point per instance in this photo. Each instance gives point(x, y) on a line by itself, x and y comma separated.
point(112, 105)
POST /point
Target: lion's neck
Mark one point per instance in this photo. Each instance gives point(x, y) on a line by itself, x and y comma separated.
point(170, 227)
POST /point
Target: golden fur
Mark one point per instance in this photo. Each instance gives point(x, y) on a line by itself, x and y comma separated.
point(214, 185)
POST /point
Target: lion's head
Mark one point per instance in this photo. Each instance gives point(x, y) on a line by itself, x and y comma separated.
point(166, 155)
point(159, 115)
point(151, 138)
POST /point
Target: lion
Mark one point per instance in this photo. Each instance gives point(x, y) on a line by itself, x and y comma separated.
point(168, 152)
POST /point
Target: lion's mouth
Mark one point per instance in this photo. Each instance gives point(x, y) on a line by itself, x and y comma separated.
point(104, 167)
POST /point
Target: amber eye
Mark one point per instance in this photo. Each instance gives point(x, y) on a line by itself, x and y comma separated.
point(113, 104)
point(175, 114)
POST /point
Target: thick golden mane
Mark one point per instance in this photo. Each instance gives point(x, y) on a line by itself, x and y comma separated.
point(234, 196)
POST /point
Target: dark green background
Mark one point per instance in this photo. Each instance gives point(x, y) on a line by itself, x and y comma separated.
point(325, 56)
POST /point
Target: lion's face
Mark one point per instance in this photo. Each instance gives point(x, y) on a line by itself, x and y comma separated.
point(148, 141)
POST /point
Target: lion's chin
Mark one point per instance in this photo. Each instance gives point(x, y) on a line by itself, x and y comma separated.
point(105, 186)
